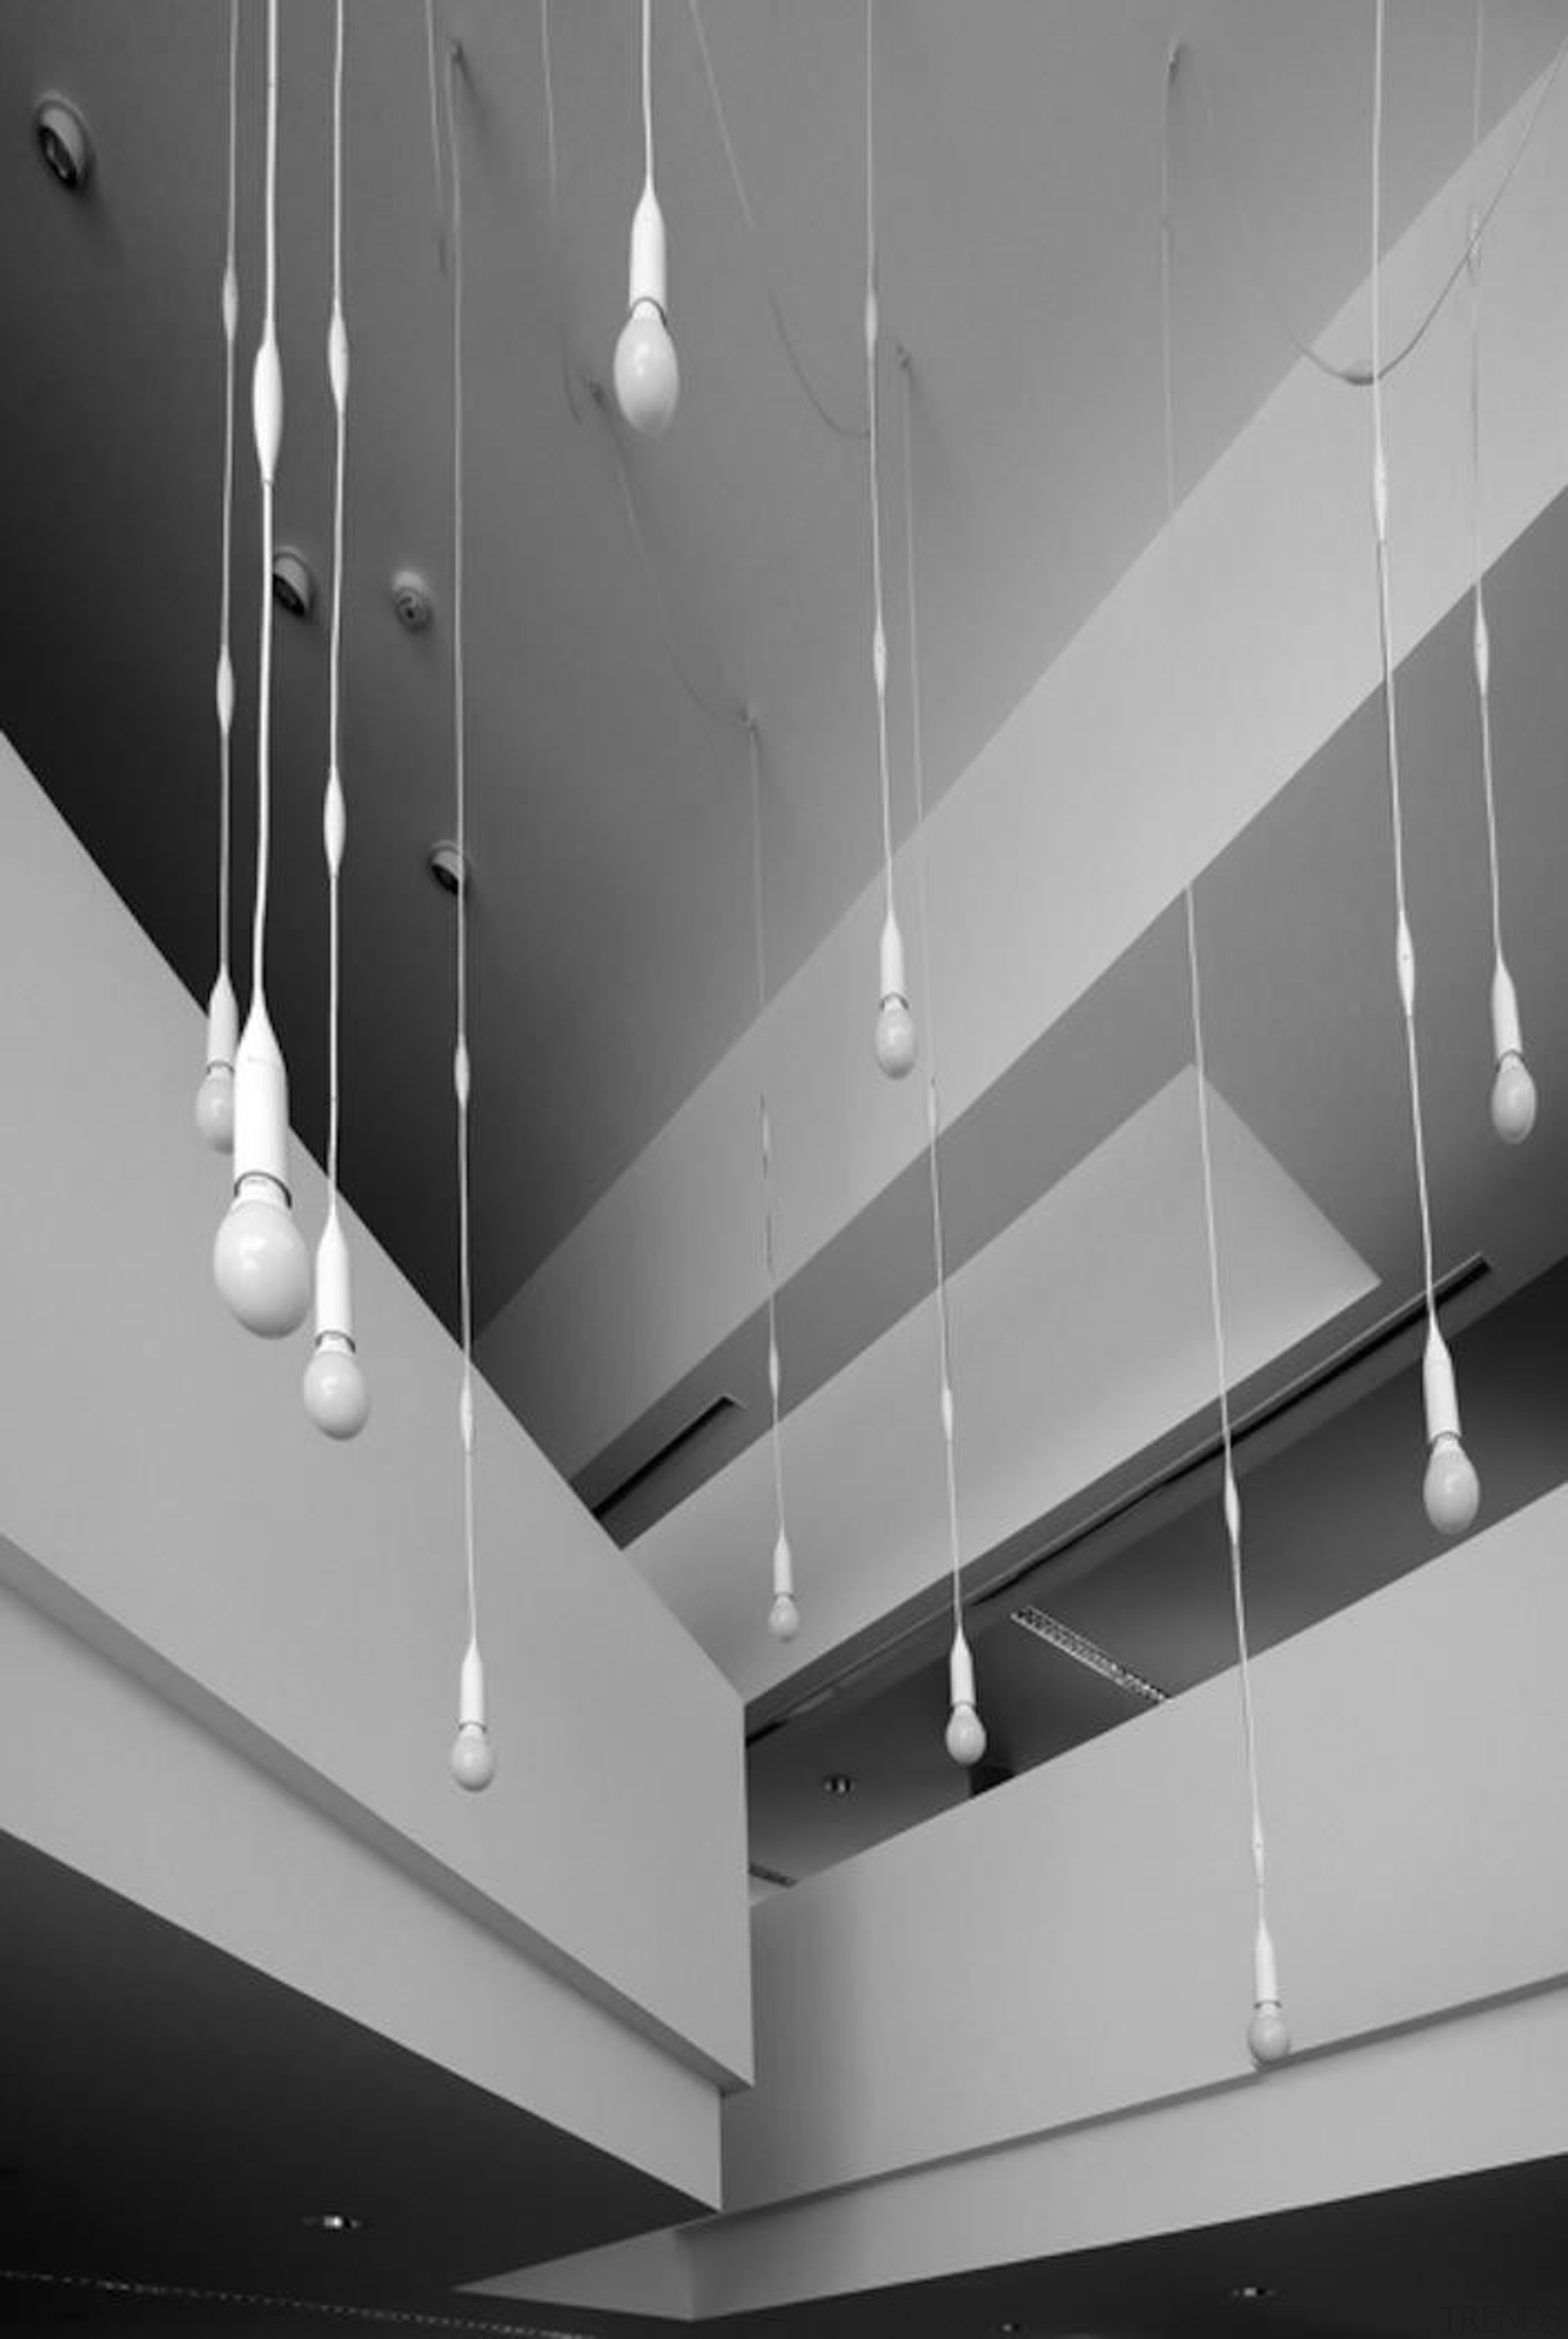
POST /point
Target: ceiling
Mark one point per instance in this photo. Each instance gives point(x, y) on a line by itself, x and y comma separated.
point(1019, 160)
point(171, 2115)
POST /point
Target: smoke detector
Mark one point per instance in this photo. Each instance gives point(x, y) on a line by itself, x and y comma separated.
point(293, 582)
point(63, 140)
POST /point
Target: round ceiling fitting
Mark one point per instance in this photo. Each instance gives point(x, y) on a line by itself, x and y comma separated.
point(412, 600)
point(447, 866)
point(293, 582)
point(63, 140)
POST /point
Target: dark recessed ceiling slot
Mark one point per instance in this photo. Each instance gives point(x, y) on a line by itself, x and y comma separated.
point(673, 1450)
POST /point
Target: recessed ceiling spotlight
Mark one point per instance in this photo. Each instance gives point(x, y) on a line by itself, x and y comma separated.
point(293, 582)
point(447, 866)
point(1252, 2291)
point(332, 2221)
point(839, 1783)
point(63, 140)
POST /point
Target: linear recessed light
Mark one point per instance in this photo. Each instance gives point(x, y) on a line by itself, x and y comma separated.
point(1085, 1651)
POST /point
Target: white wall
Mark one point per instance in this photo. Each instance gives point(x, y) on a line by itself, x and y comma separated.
point(1078, 1942)
point(156, 1466)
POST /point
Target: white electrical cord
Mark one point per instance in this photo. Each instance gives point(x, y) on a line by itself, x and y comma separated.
point(473, 1763)
point(966, 1733)
point(895, 1028)
point(225, 680)
point(334, 816)
point(781, 326)
point(784, 1616)
point(1358, 376)
point(1269, 2036)
point(1514, 1099)
point(268, 364)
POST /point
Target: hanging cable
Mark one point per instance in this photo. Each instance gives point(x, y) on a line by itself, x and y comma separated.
point(716, 710)
point(1267, 2034)
point(1452, 1490)
point(215, 1097)
point(1514, 1099)
point(259, 1261)
point(784, 1615)
point(473, 1760)
point(965, 1730)
point(775, 309)
point(897, 1041)
point(1358, 376)
point(553, 189)
point(335, 1392)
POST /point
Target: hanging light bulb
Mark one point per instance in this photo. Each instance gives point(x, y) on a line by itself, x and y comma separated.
point(215, 1097)
point(1267, 2033)
point(472, 1758)
point(897, 1041)
point(647, 373)
point(784, 1616)
point(1513, 1088)
point(965, 1730)
point(259, 1258)
point(1451, 1490)
point(1513, 1091)
point(336, 1395)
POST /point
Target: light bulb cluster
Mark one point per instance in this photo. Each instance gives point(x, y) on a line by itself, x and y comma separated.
point(259, 1261)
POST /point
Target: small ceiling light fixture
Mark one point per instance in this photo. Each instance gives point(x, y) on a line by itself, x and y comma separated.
point(647, 373)
point(1252, 2291)
point(838, 1784)
point(413, 603)
point(448, 865)
point(64, 142)
point(293, 583)
point(333, 2221)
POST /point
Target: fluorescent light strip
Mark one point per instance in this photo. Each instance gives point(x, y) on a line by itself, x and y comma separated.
point(1086, 1653)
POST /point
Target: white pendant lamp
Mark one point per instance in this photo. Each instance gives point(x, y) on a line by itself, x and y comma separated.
point(896, 1041)
point(1451, 1489)
point(1513, 1097)
point(336, 1395)
point(647, 374)
point(965, 1736)
point(259, 1260)
point(472, 1759)
point(784, 1615)
point(215, 1096)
